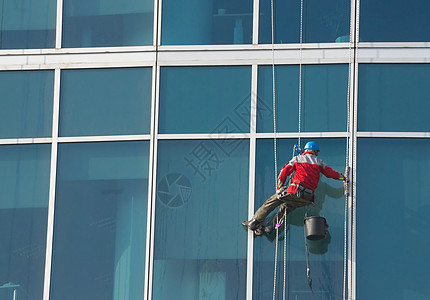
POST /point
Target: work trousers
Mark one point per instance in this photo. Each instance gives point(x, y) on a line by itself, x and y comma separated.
point(288, 202)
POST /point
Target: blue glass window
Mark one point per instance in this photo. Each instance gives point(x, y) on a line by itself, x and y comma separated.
point(105, 101)
point(107, 23)
point(24, 193)
point(392, 218)
point(323, 21)
point(26, 105)
point(206, 22)
point(100, 221)
point(199, 243)
point(393, 97)
point(205, 99)
point(324, 98)
point(325, 256)
point(394, 21)
point(27, 24)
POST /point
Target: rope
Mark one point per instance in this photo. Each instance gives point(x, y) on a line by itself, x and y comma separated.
point(285, 252)
point(274, 138)
point(348, 98)
point(274, 94)
point(300, 70)
point(275, 141)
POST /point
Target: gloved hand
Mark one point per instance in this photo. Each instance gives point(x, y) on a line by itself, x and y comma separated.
point(279, 189)
point(345, 178)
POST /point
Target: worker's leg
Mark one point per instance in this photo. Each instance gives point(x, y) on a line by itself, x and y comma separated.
point(268, 206)
point(290, 203)
point(259, 216)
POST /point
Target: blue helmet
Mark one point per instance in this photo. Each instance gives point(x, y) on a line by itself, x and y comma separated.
point(312, 146)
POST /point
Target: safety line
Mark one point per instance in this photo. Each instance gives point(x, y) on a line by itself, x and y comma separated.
point(274, 132)
point(274, 137)
point(348, 99)
point(300, 71)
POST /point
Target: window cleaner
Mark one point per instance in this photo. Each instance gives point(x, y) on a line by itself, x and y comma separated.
point(307, 168)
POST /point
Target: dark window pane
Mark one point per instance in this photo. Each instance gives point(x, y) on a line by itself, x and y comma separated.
point(105, 101)
point(24, 193)
point(323, 21)
point(100, 221)
point(324, 98)
point(206, 22)
point(27, 24)
point(394, 21)
point(393, 97)
point(200, 246)
point(205, 99)
point(26, 104)
point(325, 256)
point(107, 23)
point(392, 219)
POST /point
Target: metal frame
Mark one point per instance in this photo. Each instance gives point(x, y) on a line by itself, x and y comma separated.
point(251, 190)
point(254, 55)
point(52, 186)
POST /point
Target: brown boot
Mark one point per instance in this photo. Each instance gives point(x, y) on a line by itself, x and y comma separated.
point(252, 224)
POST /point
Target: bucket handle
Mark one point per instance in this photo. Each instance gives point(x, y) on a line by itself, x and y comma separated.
point(310, 207)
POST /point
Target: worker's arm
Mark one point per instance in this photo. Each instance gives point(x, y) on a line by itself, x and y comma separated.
point(285, 172)
point(330, 173)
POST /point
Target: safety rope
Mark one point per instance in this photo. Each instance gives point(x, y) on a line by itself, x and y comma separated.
point(274, 135)
point(299, 144)
point(300, 71)
point(275, 140)
point(285, 253)
point(347, 154)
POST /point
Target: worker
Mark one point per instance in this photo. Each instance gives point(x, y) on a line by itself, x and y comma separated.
point(300, 192)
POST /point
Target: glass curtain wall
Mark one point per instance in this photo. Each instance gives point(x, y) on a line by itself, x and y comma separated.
point(202, 186)
point(97, 102)
point(322, 22)
point(24, 189)
point(27, 24)
point(394, 21)
point(89, 118)
point(324, 98)
point(392, 243)
point(326, 257)
point(100, 219)
point(107, 23)
point(391, 190)
point(26, 103)
point(199, 244)
point(206, 22)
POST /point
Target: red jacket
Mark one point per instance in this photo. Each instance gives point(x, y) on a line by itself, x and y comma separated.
point(307, 169)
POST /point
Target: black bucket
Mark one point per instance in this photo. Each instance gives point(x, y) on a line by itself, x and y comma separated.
point(316, 228)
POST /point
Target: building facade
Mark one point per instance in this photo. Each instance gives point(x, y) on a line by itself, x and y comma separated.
point(136, 135)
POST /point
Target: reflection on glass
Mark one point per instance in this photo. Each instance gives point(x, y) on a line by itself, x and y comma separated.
point(323, 21)
point(394, 21)
point(324, 98)
point(325, 256)
point(100, 221)
point(392, 219)
point(24, 188)
point(392, 97)
point(205, 99)
point(105, 101)
point(26, 104)
point(206, 22)
point(27, 24)
point(202, 196)
point(107, 23)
